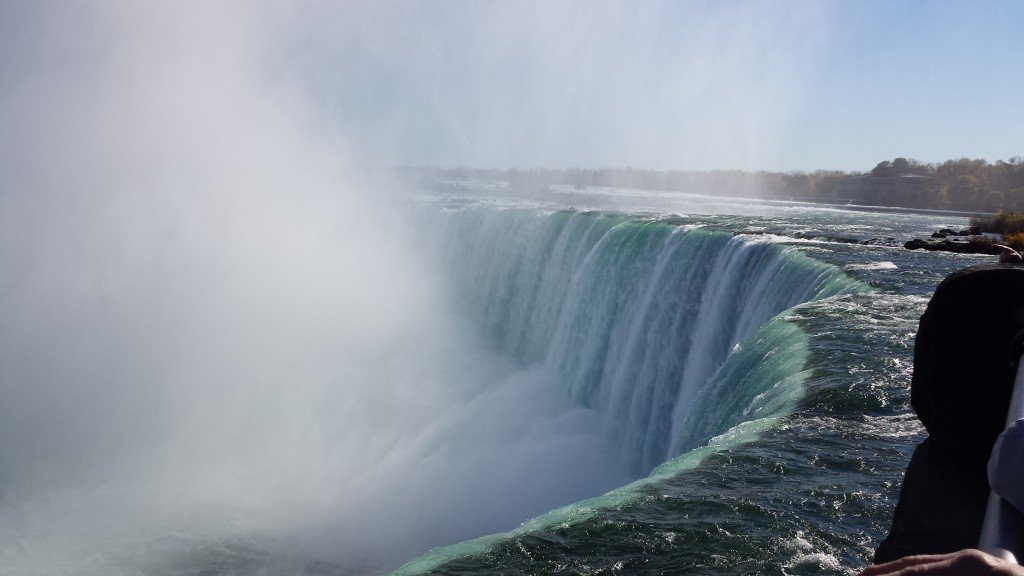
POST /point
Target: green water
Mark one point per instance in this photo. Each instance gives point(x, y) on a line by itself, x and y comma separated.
point(800, 478)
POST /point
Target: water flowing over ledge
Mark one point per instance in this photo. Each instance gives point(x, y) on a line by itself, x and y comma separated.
point(633, 316)
point(675, 335)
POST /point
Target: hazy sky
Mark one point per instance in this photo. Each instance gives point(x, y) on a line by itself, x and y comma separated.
point(755, 85)
point(778, 85)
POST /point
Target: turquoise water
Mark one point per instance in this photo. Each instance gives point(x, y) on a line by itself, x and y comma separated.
point(569, 382)
point(786, 457)
point(633, 316)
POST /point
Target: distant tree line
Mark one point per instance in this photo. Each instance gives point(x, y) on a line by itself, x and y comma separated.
point(963, 184)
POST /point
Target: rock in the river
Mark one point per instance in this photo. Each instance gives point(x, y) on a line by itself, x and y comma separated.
point(957, 246)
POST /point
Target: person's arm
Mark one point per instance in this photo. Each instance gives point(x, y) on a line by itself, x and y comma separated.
point(962, 563)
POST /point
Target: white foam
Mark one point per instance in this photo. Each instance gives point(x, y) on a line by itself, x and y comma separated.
point(872, 266)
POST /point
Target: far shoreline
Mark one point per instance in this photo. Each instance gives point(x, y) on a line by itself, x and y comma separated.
point(891, 209)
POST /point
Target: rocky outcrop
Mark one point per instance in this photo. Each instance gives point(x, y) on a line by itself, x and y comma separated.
point(966, 241)
point(944, 244)
point(961, 386)
point(944, 232)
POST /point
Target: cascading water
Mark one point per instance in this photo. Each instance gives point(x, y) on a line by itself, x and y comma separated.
point(631, 316)
point(220, 354)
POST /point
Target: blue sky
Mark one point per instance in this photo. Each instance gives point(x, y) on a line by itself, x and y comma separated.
point(688, 85)
point(930, 80)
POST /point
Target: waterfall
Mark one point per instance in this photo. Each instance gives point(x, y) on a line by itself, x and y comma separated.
point(634, 316)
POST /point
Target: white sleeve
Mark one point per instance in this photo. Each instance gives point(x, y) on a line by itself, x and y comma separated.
point(1006, 465)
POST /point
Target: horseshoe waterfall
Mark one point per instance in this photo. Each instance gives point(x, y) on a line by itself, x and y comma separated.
point(474, 382)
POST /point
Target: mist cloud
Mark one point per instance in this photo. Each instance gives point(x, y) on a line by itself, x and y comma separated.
point(692, 85)
point(212, 326)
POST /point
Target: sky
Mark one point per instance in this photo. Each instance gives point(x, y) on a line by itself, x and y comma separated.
point(931, 80)
point(772, 85)
point(786, 86)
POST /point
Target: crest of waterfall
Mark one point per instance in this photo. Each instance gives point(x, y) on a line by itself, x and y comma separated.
point(633, 316)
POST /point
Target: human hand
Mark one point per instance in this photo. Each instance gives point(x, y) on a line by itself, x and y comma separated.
point(962, 563)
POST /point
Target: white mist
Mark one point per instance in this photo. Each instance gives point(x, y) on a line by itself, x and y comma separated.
point(210, 329)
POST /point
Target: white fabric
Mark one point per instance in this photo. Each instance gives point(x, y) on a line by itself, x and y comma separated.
point(1006, 465)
